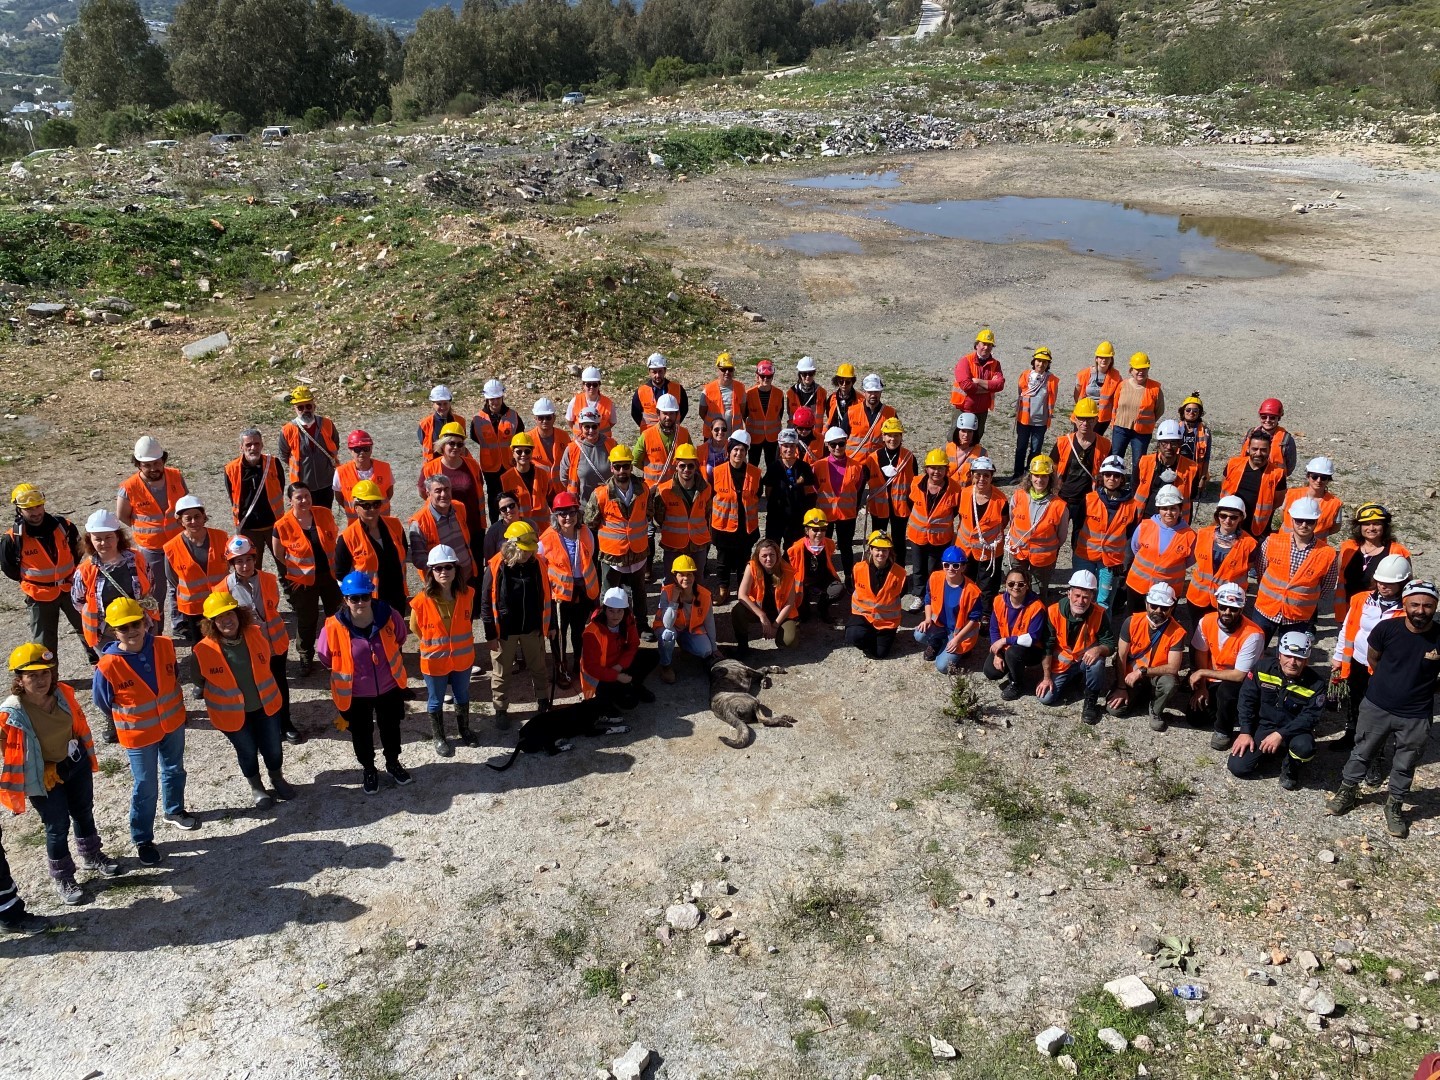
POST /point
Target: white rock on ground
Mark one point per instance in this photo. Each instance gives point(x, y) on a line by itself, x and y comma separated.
point(206, 345)
point(1050, 1041)
point(1113, 1039)
point(1132, 994)
point(632, 1064)
point(941, 1050)
point(683, 916)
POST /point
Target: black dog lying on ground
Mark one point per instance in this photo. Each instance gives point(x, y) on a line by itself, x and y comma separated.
point(552, 728)
point(732, 701)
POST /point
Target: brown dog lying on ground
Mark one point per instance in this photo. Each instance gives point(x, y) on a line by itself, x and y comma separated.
point(733, 702)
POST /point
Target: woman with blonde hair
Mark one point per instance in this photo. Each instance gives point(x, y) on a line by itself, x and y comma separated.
point(767, 601)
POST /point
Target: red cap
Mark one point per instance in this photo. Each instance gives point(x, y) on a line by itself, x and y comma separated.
point(565, 501)
point(765, 367)
point(1272, 407)
point(803, 417)
point(358, 440)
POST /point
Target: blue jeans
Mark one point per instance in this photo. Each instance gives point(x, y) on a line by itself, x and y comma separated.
point(1094, 675)
point(457, 682)
point(937, 637)
point(1137, 443)
point(258, 737)
point(1109, 578)
point(162, 762)
point(695, 644)
point(1029, 441)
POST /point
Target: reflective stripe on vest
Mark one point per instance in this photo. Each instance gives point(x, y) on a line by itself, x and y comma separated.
point(1035, 540)
point(223, 696)
point(1068, 652)
point(1145, 646)
point(1102, 536)
point(142, 717)
point(299, 560)
point(699, 609)
point(493, 434)
point(1265, 497)
point(275, 631)
point(1014, 627)
point(366, 558)
point(713, 405)
point(881, 610)
point(685, 525)
point(936, 526)
point(622, 533)
point(152, 525)
point(193, 582)
point(659, 459)
point(864, 432)
point(342, 661)
point(1223, 656)
point(1287, 598)
point(891, 495)
point(726, 503)
point(273, 492)
point(41, 577)
point(650, 397)
point(445, 648)
point(842, 505)
point(763, 421)
point(557, 560)
point(1152, 565)
point(1206, 577)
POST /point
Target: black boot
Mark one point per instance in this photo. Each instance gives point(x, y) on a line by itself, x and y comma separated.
point(1291, 770)
point(462, 725)
point(307, 662)
point(437, 728)
point(1091, 712)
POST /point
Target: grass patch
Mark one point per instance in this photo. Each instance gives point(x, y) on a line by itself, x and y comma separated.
point(831, 800)
point(707, 149)
point(1166, 789)
point(601, 981)
point(361, 1028)
point(940, 885)
point(567, 943)
point(111, 767)
point(829, 912)
point(964, 706)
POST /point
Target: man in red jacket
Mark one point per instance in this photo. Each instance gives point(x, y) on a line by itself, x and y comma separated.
point(978, 379)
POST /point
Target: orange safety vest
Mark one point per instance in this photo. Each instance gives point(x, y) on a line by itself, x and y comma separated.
point(1330, 507)
point(349, 475)
point(1206, 577)
point(493, 434)
point(1277, 448)
point(865, 435)
point(1065, 449)
point(891, 496)
point(881, 609)
point(1344, 654)
point(436, 466)
point(445, 648)
point(269, 615)
point(1149, 411)
point(495, 565)
point(424, 520)
point(274, 495)
point(1102, 536)
point(1035, 540)
point(430, 430)
point(1109, 387)
point(763, 421)
point(549, 456)
point(1222, 656)
point(842, 505)
point(1068, 652)
point(1349, 550)
point(650, 398)
point(223, 696)
point(1287, 598)
point(562, 574)
point(659, 460)
point(935, 595)
point(1022, 404)
point(570, 463)
point(12, 763)
point(153, 524)
point(1145, 645)
point(1013, 626)
point(324, 436)
point(1187, 480)
point(92, 618)
point(366, 558)
point(605, 407)
point(684, 525)
point(1270, 483)
point(623, 534)
point(143, 717)
point(837, 413)
point(793, 402)
point(960, 466)
point(798, 551)
point(42, 578)
point(299, 560)
point(1152, 565)
point(698, 611)
point(712, 405)
point(726, 504)
point(534, 498)
point(936, 526)
point(193, 582)
point(342, 660)
point(786, 593)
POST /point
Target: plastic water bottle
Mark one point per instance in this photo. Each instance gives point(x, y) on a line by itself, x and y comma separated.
point(1189, 992)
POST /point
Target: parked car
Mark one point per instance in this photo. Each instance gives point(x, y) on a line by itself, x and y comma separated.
point(275, 133)
point(573, 98)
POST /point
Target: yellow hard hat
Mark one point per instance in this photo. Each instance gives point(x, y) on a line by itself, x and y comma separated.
point(878, 539)
point(122, 611)
point(367, 491)
point(1086, 409)
point(621, 453)
point(684, 564)
point(521, 439)
point(1193, 399)
point(1042, 353)
point(1105, 349)
point(686, 452)
point(1140, 360)
point(523, 533)
point(26, 496)
point(724, 360)
point(217, 603)
point(1041, 465)
point(845, 371)
point(816, 518)
point(937, 457)
point(892, 426)
point(450, 429)
point(985, 337)
point(31, 657)
point(301, 395)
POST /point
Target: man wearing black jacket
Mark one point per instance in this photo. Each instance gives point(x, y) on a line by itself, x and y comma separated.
point(1280, 704)
point(790, 491)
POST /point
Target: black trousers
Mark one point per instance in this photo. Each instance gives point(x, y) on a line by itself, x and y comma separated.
point(1301, 747)
point(844, 532)
point(734, 551)
point(321, 497)
point(635, 582)
point(876, 644)
point(12, 908)
point(368, 713)
point(1012, 661)
point(925, 560)
point(1359, 681)
point(614, 696)
point(571, 617)
point(1224, 707)
point(70, 801)
point(492, 495)
point(767, 450)
point(282, 681)
point(307, 602)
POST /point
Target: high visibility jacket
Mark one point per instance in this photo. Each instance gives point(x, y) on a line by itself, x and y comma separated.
point(1270, 483)
point(1222, 656)
point(445, 648)
point(563, 579)
point(1104, 534)
point(299, 560)
point(423, 520)
point(1287, 598)
point(1354, 576)
point(659, 460)
point(601, 650)
point(890, 496)
point(493, 434)
point(1023, 412)
point(193, 582)
point(605, 407)
point(342, 660)
point(274, 494)
point(1036, 529)
point(436, 466)
point(842, 505)
point(819, 398)
point(429, 431)
point(1361, 616)
point(1187, 479)
point(92, 616)
point(1330, 507)
point(1065, 449)
point(1279, 442)
point(42, 578)
point(961, 461)
point(1152, 399)
point(837, 414)
point(13, 744)
point(650, 399)
point(763, 421)
point(363, 554)
point(534, 498)
point(322, 432)
point(1152, 566)
point(865, 433)
point(880, 607)
point(935, 599)
point(153, 524)
point(623, 534)
point(569, 473)
point(786, 591)
point(268, 617)
point(143, 717)
point(349, 475)
point(694, 613)
point(223, 696)
point(684, 524)
point(712, 405)
point(935, 524)
point(797, 552)
point(1068, 651)
point(1206, 577)
point(1109, 387)
point(727, 504)
point(549, 456)
point(1150, 647)
point(1012, 623)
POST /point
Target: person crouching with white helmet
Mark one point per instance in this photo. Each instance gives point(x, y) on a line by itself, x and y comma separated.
point(1149, 658)
point(1280, 705)
point(613, 667)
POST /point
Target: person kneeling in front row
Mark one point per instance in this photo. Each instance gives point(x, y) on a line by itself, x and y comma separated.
point(1150, 656)
point(1080, 640)
point(1017, 634)
point(612, 665)
point(684, 617)
point(1280, 704)
point(875, 604)
point(952, 613)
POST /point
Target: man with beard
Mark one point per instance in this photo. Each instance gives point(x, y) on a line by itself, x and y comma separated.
point(1226, 647)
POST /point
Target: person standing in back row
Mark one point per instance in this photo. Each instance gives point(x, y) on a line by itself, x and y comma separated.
point(256, 486)
point(1139, 405)
point(41, 552)
point(1034, 409)
point(146, 503)
point(978, 379)
point(310, 448)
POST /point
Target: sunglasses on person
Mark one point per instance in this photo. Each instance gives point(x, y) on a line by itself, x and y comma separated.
point(566, 511)
point(1017, 584)
point(685, 465)
point(362, 504)
point(622, 466)
point(443, 568)
point(357, 600)
point(509, 508)
point(521, 451)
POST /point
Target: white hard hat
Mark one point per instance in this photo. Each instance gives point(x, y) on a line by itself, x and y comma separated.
point(1161, 595)
point(616, 598)
point(1231, 502)
point(1230, 595)
point(1295, 643)
point(543, 407)
point(441, 393)
point(442, 555)
point(1113, 464)
point(188, 502)
point(982, 464)
point(239, 545)
point(657, 360)
point(1322, 465)
point(1084, 579)
point(1169, 495)
point(667, 403)
point(147, 448)
point(1306, 509)
point(967, 421)
point(806, 363)
point(835, 434)
point(1393, 569)
point(103, 521)
point(1169, 429)
point(589, 416)
point(591, 374)
point(872, 382)
point(494, 388)
point(742, 436)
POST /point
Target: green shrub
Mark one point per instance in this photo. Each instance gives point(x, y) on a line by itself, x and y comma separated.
point(234, 122)
point(665, 74)
point(463, 104)
point(1204, 60)
point(382, 115)
point(315, 118)
point(352, 116)
point(1092, 48)
point(191, 118)
point(56, 133)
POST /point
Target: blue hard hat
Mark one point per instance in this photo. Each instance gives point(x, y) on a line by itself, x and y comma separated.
point(953, 554)
point(357, 583)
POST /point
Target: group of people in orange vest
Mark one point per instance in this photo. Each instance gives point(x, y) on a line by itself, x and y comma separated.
point(547, 533)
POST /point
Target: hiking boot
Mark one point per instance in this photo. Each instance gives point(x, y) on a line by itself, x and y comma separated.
point(148, 854)
point(1011, 692)
point(563, 677)
point(667, 674)
point(502, 718)
point(68, 890)
point(107, 731)
point(370, 780)
point(722, 594)
point(1395, 824)
point(92, 656)
point(399, 774)
point(1157, 721)
point(185, 822)
point(1290, 773)
point(1375, 774)
point(437, 729)
point(101, 864)
point(283, 790)
point(462, 725)
point(262, 797)
point(293, 735)
point(1221, 740)
point(307, 663)
point(1343, 801)
point(25, 923)
point(930, 654)
point(1092, 710)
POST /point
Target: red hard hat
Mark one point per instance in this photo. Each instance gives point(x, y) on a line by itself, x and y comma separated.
point(565, 501)
point(1272, 406)
point(358, 440)
point(803, 417)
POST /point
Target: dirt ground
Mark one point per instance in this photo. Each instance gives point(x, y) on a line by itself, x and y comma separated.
point(895, 878)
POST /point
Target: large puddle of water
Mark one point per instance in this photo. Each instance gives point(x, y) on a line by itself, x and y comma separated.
point(1162, 245)
point(851, 181)
point(820, 243)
